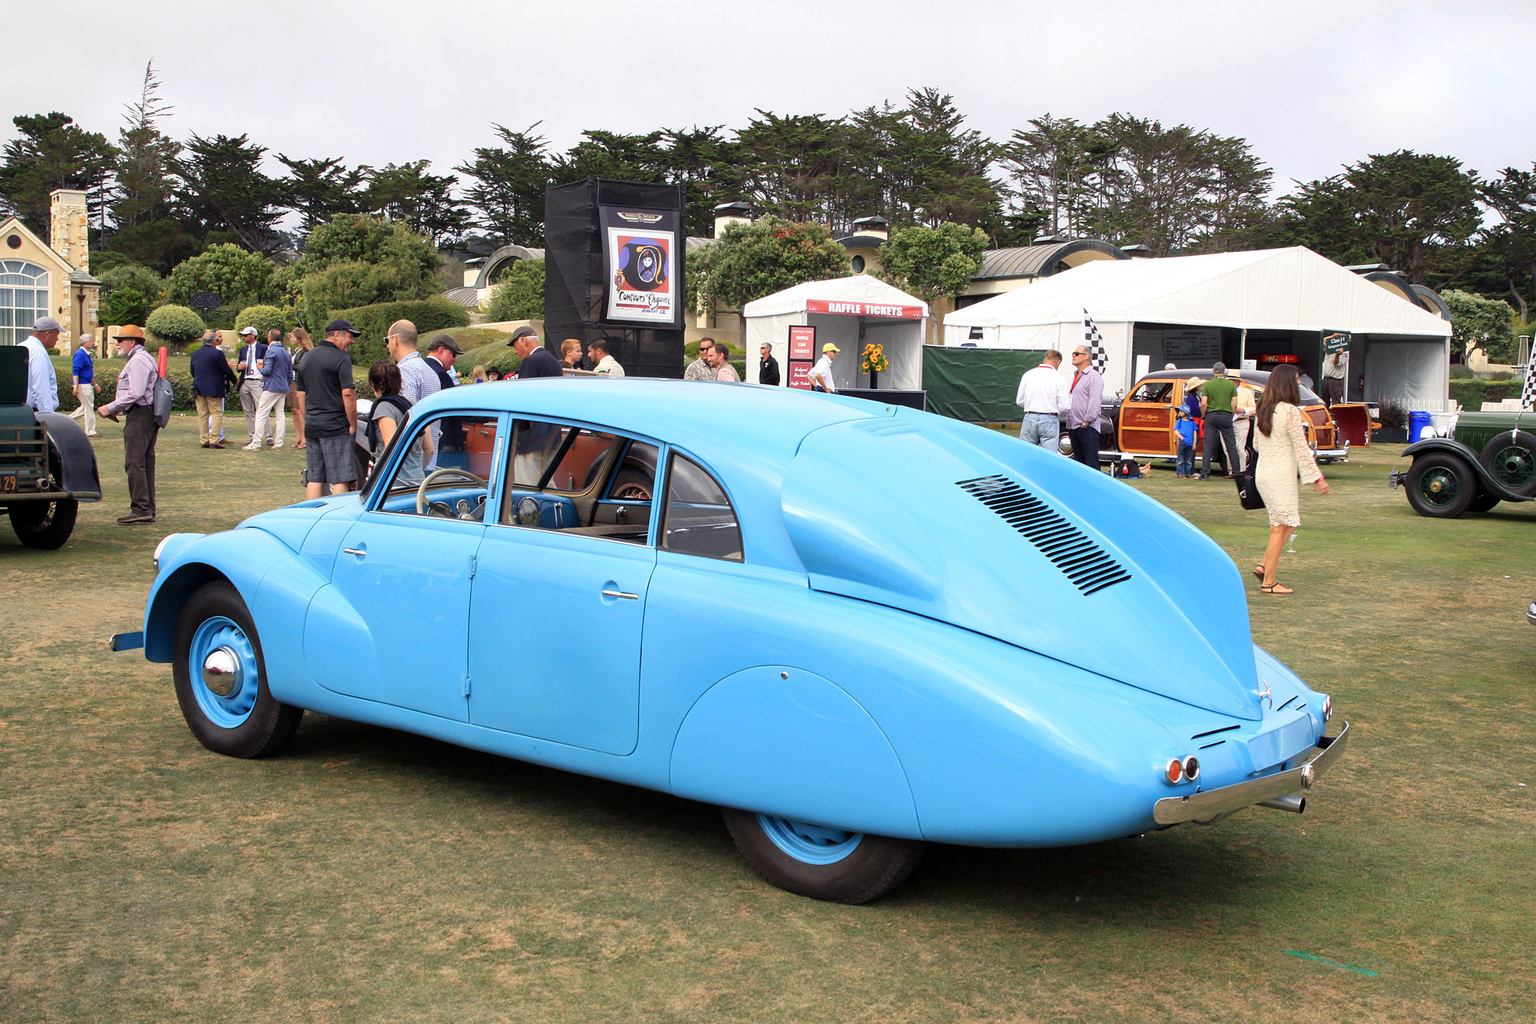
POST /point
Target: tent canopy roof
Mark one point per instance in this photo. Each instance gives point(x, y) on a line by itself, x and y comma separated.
point(1277, 289)
point(859, 288)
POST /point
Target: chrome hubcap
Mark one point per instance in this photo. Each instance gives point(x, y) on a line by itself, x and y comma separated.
point(221, 671)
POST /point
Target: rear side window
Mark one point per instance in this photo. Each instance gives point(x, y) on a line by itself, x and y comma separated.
point(699, 517)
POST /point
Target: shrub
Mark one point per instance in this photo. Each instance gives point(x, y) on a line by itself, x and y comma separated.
point(137, 277)
point(520, 295)
point(106, 390)
point(265, 318)
point(1461, 371)
point(237, 277)
point(1473, 393)
point(175, 324)
point(124, 306)
point(373, 321)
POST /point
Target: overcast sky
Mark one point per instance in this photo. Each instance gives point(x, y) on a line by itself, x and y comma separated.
point(1312, 85)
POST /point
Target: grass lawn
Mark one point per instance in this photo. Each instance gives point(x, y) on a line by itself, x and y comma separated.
point(367, 875)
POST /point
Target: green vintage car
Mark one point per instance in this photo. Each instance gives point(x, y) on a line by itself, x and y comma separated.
point(47, 465)
point(1487, 457)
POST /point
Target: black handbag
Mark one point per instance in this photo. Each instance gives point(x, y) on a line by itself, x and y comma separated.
point(1247, 492)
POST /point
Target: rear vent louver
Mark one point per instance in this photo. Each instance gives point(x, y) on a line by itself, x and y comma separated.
point(1088, 566)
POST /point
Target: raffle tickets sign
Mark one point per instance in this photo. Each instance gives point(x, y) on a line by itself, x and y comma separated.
point(640, 267)
point(802, 356)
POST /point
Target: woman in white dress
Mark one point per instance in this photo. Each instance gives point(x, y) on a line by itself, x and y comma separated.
point(1284, 457)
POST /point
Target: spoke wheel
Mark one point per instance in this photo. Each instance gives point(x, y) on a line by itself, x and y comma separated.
point(821, 861)
point(44, 524)
point(1510, 458)
point(1441, 486)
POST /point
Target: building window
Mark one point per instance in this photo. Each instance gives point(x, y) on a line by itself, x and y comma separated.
point(858, 264)
point(23, 298)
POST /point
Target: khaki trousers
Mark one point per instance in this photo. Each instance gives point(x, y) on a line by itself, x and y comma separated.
point(210, 419)
point(86, 414)
point(271, 403)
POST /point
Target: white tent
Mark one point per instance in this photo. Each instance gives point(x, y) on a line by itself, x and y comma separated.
point(849, 312)
point(1272, 300)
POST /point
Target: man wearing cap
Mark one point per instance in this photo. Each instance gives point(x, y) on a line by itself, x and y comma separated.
point(211, 378)
point(820, 376)
point(602, 360)
point(768, 367)
point(441, 353)
point(252, 352)
point(42, 382)
point(537, 361)
point(276, 369)
point(136, 397)
point(83, 383)
point(699, 369)
point(1216, 403)
point(330, 412)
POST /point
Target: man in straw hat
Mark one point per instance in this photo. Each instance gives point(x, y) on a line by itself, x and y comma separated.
point(136, 397)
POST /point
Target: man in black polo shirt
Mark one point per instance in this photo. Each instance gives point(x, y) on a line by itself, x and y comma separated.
point(330, 411)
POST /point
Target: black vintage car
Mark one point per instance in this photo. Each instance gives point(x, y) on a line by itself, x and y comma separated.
point(47, 465)
point(1487, 458)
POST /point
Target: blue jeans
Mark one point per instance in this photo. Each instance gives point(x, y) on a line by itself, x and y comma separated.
point(1040, 428)
point(1185, 464)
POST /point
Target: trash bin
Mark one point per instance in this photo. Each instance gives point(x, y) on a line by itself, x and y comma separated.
point(1417, 421)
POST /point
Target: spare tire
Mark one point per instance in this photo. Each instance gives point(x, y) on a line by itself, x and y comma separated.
point(1510, 458)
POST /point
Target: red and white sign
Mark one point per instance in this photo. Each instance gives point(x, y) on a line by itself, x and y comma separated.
point(802, 343)
point(842, 308)
point(800, 373)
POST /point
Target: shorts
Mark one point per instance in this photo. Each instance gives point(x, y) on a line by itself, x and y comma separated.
point(328, 460)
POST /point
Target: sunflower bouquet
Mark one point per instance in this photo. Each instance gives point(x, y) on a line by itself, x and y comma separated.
point(874, 359)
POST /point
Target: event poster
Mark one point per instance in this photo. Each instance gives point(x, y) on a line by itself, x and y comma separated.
point(802, 356)
point(641, 266)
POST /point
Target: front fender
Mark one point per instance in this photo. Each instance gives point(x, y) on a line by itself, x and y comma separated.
point(77, 459)
point(242, 558)
point(788, 742)
point(1446, 445)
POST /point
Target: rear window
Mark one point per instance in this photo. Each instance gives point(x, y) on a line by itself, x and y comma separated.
point(699, 517)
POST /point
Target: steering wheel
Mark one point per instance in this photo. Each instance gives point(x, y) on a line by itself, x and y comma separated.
point(432, 478)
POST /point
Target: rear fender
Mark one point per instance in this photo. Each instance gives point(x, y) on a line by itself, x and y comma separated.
point(1485, 481)
point(77, 459)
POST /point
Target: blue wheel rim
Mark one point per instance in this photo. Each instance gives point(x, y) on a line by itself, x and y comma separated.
point(231, 710)
point(808, 843)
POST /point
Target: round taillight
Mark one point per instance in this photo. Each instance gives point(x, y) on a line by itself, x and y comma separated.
point(1191, 768)
point(1174, 773)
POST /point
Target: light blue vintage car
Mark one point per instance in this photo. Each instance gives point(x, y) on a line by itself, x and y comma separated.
point(854, 627)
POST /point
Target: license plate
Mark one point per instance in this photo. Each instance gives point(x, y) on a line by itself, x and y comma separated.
point(8, 483)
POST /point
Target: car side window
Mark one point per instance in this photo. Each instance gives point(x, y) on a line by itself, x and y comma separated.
point(579, 480)
point(699, 517)
point(445, 472)
point(1154, 391)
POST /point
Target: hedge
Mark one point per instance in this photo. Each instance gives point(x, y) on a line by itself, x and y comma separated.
point(434, 314)
point(181, 389)
point(1473, 393)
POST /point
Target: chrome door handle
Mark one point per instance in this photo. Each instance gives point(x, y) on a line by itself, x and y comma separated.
point(620, 593)
point(359, 552)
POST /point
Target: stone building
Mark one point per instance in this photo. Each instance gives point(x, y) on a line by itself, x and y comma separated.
point(48, 279)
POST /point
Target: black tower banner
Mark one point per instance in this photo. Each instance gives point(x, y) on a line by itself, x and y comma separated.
point(614, 268)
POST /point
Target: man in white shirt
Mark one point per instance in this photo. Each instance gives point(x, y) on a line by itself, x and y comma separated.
point(1043, 395)
point(602, 360)
point(820, 376)
point(42, 382)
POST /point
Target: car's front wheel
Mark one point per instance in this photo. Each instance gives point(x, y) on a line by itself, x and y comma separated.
point(1441, 486)
point(44, 524)
point(822, 862)
point(221, 681)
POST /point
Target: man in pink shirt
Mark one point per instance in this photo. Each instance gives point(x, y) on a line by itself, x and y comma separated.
point(136, 397)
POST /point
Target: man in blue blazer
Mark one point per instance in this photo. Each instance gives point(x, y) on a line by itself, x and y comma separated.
point(211, 378)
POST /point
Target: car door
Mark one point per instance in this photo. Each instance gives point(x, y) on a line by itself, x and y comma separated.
point(404, 576)
point(1147, 419)
point(558, 603)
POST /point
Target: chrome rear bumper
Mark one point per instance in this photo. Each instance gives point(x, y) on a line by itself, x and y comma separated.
point(1204, 806)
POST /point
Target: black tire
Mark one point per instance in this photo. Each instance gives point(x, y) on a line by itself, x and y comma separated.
point(1484, 502)
point(248, 721)
point(632, 484)
point(872, 868)
point(1510, 458)
point(44, 524)
point(1441, 486)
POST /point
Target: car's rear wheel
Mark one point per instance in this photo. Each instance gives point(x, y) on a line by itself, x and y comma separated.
point(1510, 458)
point(1441, 486)
point(221, 681)
point(44, 524)
point(822, 862)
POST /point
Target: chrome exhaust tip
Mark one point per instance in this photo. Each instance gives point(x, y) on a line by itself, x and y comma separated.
point(1293, 803)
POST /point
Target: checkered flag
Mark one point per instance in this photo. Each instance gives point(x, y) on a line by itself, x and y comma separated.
point(1528, 396)
point(1097, 357)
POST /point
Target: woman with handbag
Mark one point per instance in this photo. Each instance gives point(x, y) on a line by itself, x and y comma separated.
point(1283, 457)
